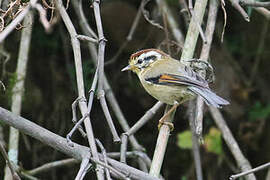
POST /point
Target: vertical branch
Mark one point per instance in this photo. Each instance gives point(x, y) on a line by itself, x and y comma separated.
point(209, 31)
point(80, 84)
point(178, 35)
point(161, 145)
point(187, 53)
point(18, 89)
point(193, 31)
point(101, 52)
point(110, 95)
point(195, 144)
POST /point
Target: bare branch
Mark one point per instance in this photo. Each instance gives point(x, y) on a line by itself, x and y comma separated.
point(16, 21)
point(250, 171)
point(10, 166)
point(236, 5)
point(18, 89)
point(254, 3)
point(80, 84)
point(52, 165)
point(161, 144)
point(59, 143)
point(265, 12)
point(242, 162)
point(87, 38)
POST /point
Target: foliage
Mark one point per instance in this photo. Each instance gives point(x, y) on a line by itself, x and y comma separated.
point(185, 140)
point(213, 141)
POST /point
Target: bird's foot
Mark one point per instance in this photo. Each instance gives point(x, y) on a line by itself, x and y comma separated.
point(169, 124)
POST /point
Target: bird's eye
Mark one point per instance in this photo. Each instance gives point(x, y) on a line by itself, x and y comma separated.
point(139, 61)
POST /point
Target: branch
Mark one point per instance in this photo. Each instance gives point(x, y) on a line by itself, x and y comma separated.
point(242, 162)
point(254, 3)
point(193, 31)
point(51, 165)
point(250, 171)
point(236, 5)
point(178, 35)
point(14, 174)
point(59, 143)
point(110, 95)
point(18, 89)
point(17, 20)
point(265, 12)
point(80, 84)
point(161, 144)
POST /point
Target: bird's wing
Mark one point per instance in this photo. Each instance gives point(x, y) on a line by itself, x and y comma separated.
point(178, 80)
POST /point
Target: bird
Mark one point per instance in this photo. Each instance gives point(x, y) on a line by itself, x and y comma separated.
point(169, 80)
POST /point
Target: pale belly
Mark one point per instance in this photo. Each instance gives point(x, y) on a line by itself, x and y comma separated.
point(168, 94)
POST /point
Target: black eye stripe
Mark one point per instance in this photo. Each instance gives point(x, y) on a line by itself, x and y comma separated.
point(148, 58)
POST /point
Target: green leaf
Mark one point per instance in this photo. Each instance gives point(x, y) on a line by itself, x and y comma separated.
point(185, 140)
point(213, 141)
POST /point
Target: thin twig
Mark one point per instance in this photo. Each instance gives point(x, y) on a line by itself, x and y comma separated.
point(101, 53)
point(101, 97)
point(250, 171)
point(109, 93)
point(236, 5)
point(80, 85)
point(43, 17)
point(87, 38)
point(145, 118)
point(17, 20)
point(52, 165)
point(103, 152)
point(242, 162)
point(176, 32)
point(265, 12)
point(129, 36)
point(10, 166)
point(146, 15)
point(254, 3)
point(209, 31)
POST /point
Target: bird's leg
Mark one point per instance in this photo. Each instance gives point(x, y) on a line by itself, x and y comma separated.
point(165, 116)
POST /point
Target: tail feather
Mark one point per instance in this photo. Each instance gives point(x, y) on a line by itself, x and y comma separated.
point(209, 97)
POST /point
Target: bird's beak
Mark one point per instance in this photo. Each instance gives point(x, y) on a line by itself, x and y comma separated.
point(126, 68)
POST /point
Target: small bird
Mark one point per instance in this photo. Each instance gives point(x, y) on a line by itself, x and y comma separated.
point(170, 81)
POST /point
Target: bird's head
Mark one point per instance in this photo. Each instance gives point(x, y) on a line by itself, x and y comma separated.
point(143, 59)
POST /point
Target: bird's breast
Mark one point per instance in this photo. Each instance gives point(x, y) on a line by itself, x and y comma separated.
point(167, 94)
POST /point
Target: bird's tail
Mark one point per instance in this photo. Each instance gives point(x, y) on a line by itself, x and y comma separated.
point(209, 97)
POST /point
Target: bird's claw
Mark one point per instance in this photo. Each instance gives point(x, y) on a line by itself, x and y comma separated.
point(169, 124)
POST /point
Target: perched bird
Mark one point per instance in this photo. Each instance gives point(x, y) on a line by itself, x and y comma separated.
point(170, 81)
